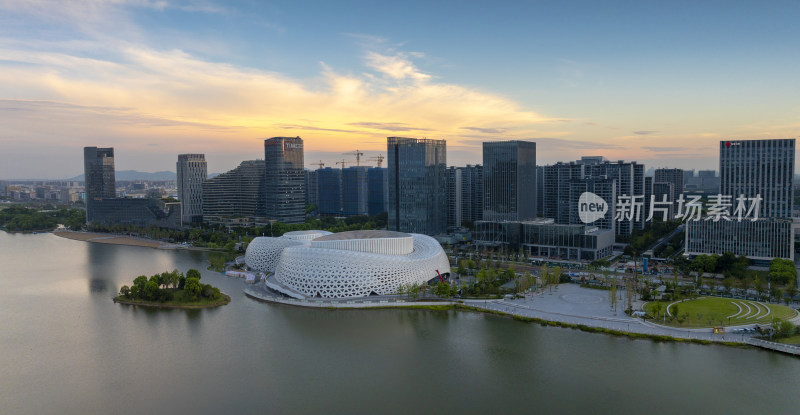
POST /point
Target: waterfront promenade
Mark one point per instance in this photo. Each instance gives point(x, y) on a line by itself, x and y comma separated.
point(568, 304)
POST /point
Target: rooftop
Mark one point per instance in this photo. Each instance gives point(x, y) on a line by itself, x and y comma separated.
point(363, 234)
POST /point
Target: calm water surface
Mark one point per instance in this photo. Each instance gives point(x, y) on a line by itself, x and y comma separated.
point(66, 348)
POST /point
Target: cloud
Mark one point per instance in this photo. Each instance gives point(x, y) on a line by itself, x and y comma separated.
point(397, 66)
point(554, 144)
point(388, 126)
point(310, 128)
point(97, 86)
point(486, 130)
point(645, 132)
point(663, 149)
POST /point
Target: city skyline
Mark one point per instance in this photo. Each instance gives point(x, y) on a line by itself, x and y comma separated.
point(654, 83)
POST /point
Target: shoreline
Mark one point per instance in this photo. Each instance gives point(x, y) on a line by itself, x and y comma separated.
point(116, 239)
point(647, 331)
point(226, 300)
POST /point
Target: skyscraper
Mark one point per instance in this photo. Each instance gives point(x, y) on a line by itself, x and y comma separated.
point(557, 178)
point(759, 168)
point(472, 193)
point(509, 180)
point(355, 188)
point(192, 172)
point(417, 185)
point(673, 176)
point(98, 172)
point(98, 167)
point(285, 179)
point(627, 177)
point(329, 181)
point(312, 195)
point(377, 195)
point(751, 168)
point(454, 197)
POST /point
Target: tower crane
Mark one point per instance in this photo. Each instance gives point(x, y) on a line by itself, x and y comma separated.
point(378, 159)
point(343, 162)
point(358, 155)
point(319, 165)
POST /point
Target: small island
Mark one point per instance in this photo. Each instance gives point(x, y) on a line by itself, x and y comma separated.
point(172, 289)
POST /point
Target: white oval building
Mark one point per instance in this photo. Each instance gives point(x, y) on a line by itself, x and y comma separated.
point(263, 252)
point(348, 264)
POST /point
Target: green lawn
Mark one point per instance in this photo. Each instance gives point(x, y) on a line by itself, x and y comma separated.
point(712, 311)
point(790, 340)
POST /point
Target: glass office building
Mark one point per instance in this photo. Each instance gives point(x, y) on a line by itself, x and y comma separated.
point(355, 189)
point(417, 170)
point(192, 172)
point(376, 196)
point(759, 167)
point(285, 179)
point(547, 239)
point(509, 180)
point(760, 240)
point(329, 188)
point(99, 177)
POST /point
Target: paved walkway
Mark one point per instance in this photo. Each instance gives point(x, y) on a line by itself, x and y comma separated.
point(569, 303)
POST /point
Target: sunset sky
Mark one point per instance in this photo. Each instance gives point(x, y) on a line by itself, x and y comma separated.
point(658, 82)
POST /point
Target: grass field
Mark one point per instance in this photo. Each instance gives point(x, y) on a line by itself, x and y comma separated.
point(790, 340)
point(712, 311)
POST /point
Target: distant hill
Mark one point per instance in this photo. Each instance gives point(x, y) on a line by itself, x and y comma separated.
point(137, 175)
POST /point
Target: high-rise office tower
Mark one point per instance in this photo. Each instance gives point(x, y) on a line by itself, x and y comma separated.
point(751, 168)
point(673, 176)
point(557, 178)
point(454, 197)
point(312, 195)
point(329, 182)
point(539, 190)
point(417, 185)
point(355, 188)
point(285, 179)
point(662, 191)
point(648, 191)
point(378, 181)
point(471, 193)
point(192, 172)
point(759, 168)
point(98, 167)
point(99, 179)
point(509, 180)
point(599, 185)
point(628, 178)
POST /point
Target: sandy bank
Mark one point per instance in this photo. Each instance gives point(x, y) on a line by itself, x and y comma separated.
point(105, 238)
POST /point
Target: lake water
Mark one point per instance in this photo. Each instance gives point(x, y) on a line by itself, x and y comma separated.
point(66, 348)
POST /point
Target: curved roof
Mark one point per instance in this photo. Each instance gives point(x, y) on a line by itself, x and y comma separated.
point(292, 233)
point(364, 234)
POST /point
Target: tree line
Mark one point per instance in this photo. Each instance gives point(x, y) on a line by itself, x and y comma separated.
point(21, 219)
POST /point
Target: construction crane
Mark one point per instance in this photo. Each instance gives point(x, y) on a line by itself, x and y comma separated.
point(320, 164)
point(378, 159)
point(358, 155)
point(343, 162)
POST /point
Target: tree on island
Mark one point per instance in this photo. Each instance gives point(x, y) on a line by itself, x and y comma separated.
point(171, 287)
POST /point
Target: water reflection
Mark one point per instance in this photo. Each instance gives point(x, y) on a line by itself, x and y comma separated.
point(101, 262)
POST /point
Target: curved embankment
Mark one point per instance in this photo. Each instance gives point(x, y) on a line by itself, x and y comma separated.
point(224, 301)
point(452, 305)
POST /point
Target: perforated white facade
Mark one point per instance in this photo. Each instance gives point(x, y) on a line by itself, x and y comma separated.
point(318, 271)
point(263, 252)
point(306, 236)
